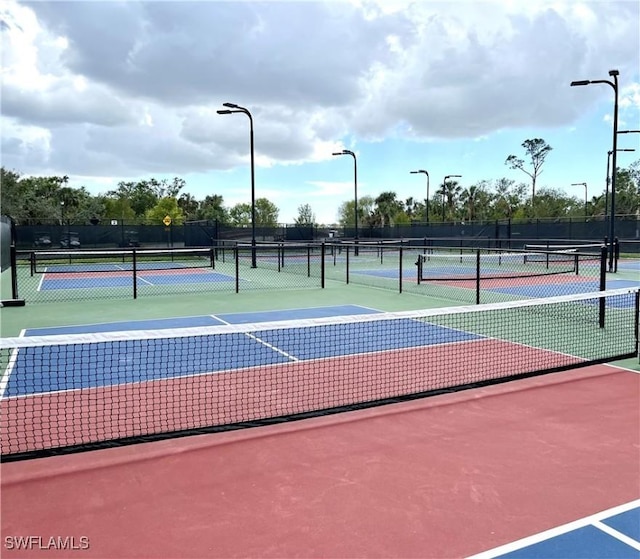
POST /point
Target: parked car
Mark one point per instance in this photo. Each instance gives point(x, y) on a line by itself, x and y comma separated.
point(42, 240)
point(70, 240)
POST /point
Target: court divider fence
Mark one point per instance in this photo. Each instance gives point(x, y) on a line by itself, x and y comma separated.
point(460, 274)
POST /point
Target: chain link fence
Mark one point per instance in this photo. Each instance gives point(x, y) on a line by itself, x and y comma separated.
point(457, 273)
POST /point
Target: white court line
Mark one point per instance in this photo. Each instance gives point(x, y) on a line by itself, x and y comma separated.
point(617, 535)
point(266, 344)
point(4, 382)
point(41, 280)
point(557, 531)
point(144, 280)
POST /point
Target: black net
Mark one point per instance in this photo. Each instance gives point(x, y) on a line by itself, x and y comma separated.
point(81, 391)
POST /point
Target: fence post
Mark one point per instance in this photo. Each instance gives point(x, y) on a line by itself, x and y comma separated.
point(347, 247)
point(400, 266)
point(603, 284)
point(322, 263)
point(478, 277)
point(235, 253)
point(134, 267)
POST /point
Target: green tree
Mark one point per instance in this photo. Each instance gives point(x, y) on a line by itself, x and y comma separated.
point(628, 190)
point(32, 199)
point(469, 198)
point(266, 213)
point(536, 150)
point(119, 208)
point(450, 191)
point(346, 211)
point(212, 208)
point(387, 206)
point(189, 206)
point(305, 217)
point(240, 215)
point(167, 206)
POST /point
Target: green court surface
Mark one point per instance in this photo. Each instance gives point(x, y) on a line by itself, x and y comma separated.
point(15, 319)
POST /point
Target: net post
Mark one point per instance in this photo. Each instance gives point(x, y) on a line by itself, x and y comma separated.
point(32, 263)
point(616, 254)
point(134, 267)
point(13, 259)
point(577, 263)
point(236, 254)
point(477, 277)
point(308, 261)
point(347, 266)
point(637, 321)
point(212, 256)
point(419, 264)
point(400, 267)
point(323, 253)
point(603, 285)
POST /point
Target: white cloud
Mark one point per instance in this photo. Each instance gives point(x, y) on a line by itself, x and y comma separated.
point(132, 88)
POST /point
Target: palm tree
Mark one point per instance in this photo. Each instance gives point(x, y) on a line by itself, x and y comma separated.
point(451, 192)
point(388, 206)
point(469, 198)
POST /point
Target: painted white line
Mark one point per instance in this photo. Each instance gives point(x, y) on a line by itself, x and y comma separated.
point(617, 535)
point(272, 347)
point(144, 280)
point(4, 382)
point(553, 532)
point(41, 281)
point(266, 344)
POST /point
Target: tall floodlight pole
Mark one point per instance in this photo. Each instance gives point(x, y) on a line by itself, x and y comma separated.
point(585, 194)
point(355, 190)
point(614, 84)
point(424, 173)
point(233, 108)
point(444, 189)
point(606, 192)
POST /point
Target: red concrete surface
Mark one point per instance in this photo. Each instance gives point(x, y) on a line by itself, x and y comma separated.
point(446, 476)
point(496, 282)
point(86, 415)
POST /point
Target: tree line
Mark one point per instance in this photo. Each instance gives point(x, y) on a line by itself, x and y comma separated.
point(39, 200)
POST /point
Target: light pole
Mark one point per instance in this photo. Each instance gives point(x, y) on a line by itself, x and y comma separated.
point(233, 108)
point(585, 194)
point(444, 189)
point(606, 192)
point(425, 173)
point(614, 84)
point(355, 189)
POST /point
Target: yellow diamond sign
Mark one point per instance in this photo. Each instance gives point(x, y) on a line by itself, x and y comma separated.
point(167, 220)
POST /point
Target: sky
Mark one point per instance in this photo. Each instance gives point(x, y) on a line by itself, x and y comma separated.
point(106, 91)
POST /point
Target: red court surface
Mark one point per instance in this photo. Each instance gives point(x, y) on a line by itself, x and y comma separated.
point(447, 476)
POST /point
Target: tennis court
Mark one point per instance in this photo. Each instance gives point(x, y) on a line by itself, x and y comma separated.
point(499, 470)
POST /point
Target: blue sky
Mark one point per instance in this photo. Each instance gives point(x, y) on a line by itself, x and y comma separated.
point(110, 91)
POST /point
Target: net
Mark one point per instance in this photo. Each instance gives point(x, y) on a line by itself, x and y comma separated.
point(584, 248)
point(118, 261)
point(446, 266)
point(63, 393)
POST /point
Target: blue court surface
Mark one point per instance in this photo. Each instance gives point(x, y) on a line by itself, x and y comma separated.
point(128, 361)
point(552, 290)
point(611, 534)
point(51, 282)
